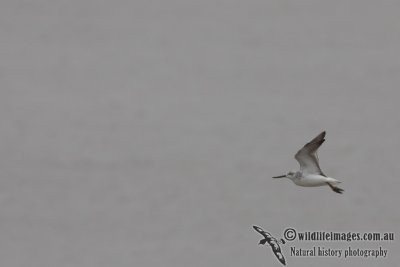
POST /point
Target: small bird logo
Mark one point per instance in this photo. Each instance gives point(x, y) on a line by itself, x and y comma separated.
point(273, 242)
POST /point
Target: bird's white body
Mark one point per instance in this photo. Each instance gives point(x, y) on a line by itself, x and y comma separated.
point(311, 180)
point(310, 173)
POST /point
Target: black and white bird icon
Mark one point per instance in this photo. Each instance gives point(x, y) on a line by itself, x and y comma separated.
point(273, 242)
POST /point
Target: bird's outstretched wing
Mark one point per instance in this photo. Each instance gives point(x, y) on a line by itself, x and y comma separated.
point(307, 156)
point(276, 249)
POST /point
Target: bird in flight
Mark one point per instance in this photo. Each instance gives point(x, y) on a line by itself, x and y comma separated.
point(273, 242)
point(310, 174)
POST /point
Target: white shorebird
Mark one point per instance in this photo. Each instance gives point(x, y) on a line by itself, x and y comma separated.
point(310, 173)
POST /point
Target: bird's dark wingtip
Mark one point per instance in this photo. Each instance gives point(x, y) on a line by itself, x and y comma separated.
point(258, 229)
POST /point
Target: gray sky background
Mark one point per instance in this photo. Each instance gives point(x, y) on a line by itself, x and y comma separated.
point(146, 133)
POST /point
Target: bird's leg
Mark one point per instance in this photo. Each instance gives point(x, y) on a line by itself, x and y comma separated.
point(335, 188)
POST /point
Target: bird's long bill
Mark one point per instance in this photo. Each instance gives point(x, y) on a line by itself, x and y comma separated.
point(280, 176)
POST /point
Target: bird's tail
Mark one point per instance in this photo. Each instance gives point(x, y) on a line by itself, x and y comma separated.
point(333, 181)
